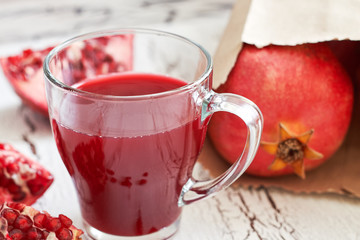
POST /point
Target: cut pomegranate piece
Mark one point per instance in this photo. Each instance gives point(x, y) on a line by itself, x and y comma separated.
point(19, 221)
point(21, 179)
point(24, 71)
point(97, 56)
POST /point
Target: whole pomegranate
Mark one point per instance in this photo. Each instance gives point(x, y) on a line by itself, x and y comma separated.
point(306, 98)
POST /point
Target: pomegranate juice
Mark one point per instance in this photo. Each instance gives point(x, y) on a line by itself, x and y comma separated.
point(129, 184)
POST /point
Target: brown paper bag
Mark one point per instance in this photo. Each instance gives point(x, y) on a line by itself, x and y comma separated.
point(341, 173)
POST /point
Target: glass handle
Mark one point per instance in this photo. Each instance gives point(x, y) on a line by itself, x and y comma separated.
point(195, 190)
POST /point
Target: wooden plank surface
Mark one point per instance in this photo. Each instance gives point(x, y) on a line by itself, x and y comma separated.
point(236, 213)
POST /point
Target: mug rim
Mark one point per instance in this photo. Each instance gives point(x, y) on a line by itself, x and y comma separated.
point(59, 84)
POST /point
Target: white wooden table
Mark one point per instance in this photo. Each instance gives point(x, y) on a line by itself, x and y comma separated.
point(233, 214)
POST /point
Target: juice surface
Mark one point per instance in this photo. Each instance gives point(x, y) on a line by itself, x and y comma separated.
point(131, 84)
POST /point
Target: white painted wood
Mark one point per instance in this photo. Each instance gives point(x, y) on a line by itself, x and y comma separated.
point(234, 213)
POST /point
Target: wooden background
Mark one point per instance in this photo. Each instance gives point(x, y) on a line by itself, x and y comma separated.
point(237, 213)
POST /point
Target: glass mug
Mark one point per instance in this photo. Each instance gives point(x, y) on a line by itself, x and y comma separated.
point(129, 132)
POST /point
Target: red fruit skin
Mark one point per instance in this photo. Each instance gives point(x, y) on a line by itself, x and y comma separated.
point(304, 87)
point(35, 179)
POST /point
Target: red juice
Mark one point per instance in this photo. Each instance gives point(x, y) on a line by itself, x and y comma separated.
point(129, 184)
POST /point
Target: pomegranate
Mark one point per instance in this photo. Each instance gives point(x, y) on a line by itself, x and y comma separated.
point(21, 179)
point(24, 71)
point(21, 222)
point(306, 98)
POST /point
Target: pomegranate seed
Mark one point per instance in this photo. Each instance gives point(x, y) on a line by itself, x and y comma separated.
point(100, 55)
point(16, 234)
point(39, 220)
point(18, 206)
point(36, 186)
point(13, 188)
point(33, 234)
point(23, 223)
point(53, 224)
point(17, 197)
point(142, 182)
point(126, 182)
point(37, 62)
point(104, 40)
point(12, 168)
point(64, 234)
point(4, 181)
point(108, 58)
point(66, 222)
point(10, 215)
point(27, 52)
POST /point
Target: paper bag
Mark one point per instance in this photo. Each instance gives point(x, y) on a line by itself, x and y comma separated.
point(291, 22)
